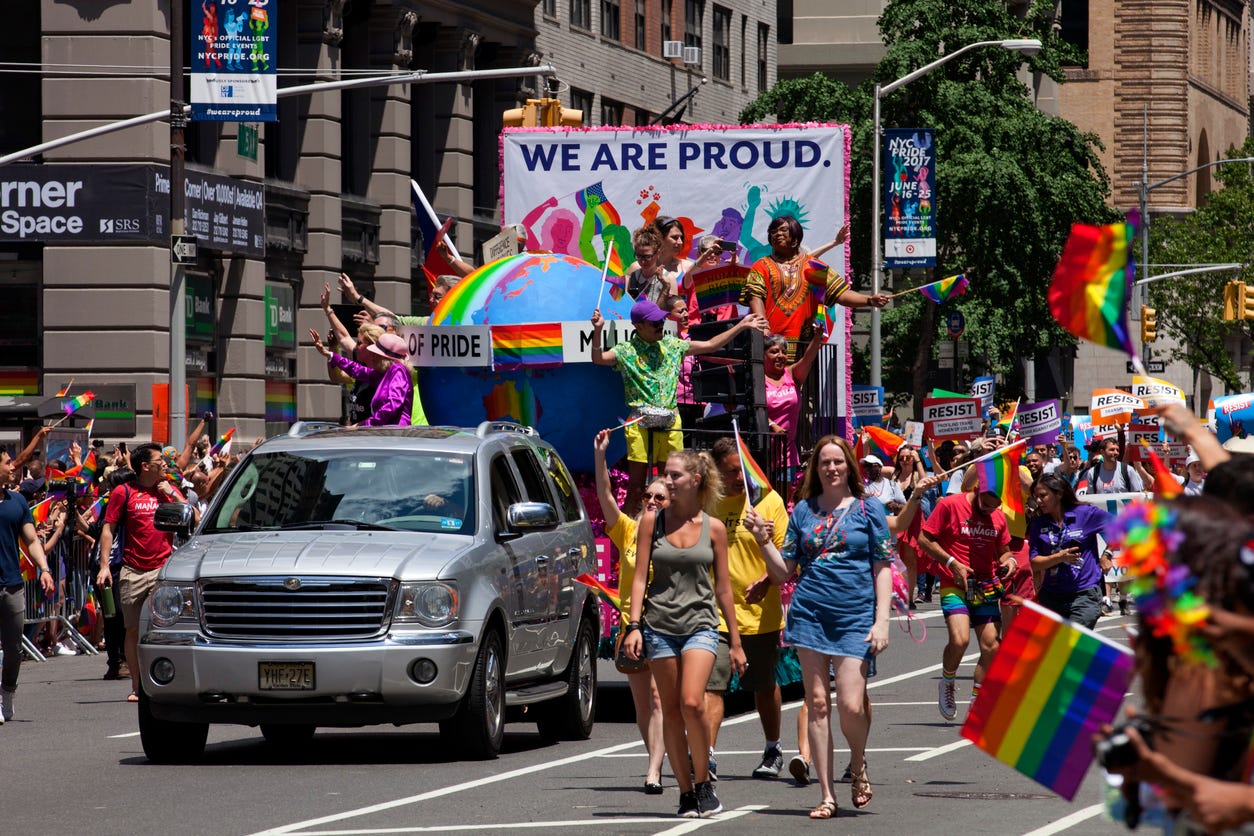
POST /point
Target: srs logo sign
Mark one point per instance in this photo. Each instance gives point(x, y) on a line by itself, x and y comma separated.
point(111, 226)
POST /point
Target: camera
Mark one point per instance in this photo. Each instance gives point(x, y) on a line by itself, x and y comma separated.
point(727, 246)
point(1116, 750)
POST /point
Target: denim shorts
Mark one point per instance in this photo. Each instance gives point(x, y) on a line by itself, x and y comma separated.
point(663, 645)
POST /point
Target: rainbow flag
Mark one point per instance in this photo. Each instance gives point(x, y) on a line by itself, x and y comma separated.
point(91, 423)
point(531, 345)
point(41, 510)
point(280, 401)
point(603, 592)
point(1092, 284)
point(1165, 485)
point(75, 404)
point(618, 285)
point(87, 471)
point(757, 485)
point(998, 473)
point(513, 400)
point(223, 440)
point(29, 572)
point(592, 199)
point(64, 390)
point(882, 443)
point(97, 508)
point(942, 291)
point(719, 285)
point(1008, 419)
point(1050, 687)
point(15, 382)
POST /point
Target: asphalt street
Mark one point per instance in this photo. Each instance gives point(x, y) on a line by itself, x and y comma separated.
point(72, 760)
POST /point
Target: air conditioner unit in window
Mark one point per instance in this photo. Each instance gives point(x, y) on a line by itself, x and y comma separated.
point(672, 49)
point(692, 55)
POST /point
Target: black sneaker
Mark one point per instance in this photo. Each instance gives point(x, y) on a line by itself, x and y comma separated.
point(688, 807)
point(772, 763)
point(707, 801)
point(800, 769)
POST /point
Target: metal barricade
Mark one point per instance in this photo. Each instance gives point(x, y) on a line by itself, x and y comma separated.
point(73, 582)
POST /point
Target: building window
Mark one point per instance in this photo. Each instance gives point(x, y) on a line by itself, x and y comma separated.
point(581, 13)
point(744, 45)
point(1074, 22)
point(764, 42)
point(694, 15)
point(642, 117)
point(666, 21)
point(550, 8)
point(722, 43)
point(641, 42)
point(611, 19)
point(582, 100)
point(611, 112)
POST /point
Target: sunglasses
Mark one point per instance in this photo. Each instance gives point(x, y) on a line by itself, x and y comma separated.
point(656, 497)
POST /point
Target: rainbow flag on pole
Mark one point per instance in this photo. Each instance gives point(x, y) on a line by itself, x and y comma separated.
point(882, 443)
point(1092, 285)
point(75, 404)
point(757, 485)
point(531, 345)
point(222, 442)
point(1050, 687)
point(998, 473)
point(603, 592)
point(945, 289)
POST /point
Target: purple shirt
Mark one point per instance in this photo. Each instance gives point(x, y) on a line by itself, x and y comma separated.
point(1080, 527)
point(393, 397)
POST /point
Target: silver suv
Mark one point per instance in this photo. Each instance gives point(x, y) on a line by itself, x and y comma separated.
point(353, 577)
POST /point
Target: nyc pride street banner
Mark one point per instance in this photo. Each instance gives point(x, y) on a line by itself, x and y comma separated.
point(233, 61)
point(574, 191)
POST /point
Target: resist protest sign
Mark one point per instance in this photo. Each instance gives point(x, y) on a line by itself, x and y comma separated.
point(982, 388)
point(1040, 422)
point(952, 418)
point(1113, 406)
point(1156, 392)
point(1234, 416)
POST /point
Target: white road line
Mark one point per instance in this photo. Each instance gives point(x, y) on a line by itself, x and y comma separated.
point(693, 824)
point(449, 790)
point(120, 736)
point(755, 752)
point(449, 828)
point(1067, 822)
point(880, 683)
point(940, 750)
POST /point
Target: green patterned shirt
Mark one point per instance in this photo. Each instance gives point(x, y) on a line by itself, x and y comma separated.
point(650, 370)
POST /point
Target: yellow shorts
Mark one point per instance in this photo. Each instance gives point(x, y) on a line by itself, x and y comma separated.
point(665, 442)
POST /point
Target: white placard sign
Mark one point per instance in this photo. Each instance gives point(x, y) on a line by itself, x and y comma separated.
point(449, 345)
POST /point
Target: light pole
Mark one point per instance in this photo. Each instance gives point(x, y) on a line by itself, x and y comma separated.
point(1031, 46)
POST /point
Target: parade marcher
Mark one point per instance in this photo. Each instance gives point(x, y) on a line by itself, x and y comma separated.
point(1111, 475)
point(621, 529)
point(1064, 545)
point(783, 396)
point(778, 288)
point(908, 472)
point(145, 549)
point(967, 538)
point(650, 363)
point(759, 611)
point(1194, 479)
point(388, 358)
point(838, 617)
point(646, 279)
point(16, 525)
point(674, 614)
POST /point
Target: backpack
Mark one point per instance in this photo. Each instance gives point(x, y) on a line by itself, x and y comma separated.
point(1096, 468)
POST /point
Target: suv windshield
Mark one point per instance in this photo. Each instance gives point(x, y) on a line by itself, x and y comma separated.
point(407, 490)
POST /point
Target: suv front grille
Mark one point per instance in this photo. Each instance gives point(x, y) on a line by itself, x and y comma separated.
point(320, 609)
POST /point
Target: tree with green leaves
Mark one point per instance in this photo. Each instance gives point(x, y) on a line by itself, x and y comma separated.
point(1010, 180)
point(1190, 308)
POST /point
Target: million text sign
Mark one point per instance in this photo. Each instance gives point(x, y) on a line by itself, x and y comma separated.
point(951, 418)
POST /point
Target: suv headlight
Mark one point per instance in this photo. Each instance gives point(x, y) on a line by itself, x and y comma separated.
point(172, 603)
point(429, 603)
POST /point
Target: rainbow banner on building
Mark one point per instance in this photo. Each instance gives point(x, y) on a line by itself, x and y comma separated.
point(531, 345)
point(719, 285)
point(18, 382)
point(1050, 687)
point(280, 402)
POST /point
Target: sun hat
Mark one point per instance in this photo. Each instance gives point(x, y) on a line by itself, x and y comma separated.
point(872, 459)
point(390, 346)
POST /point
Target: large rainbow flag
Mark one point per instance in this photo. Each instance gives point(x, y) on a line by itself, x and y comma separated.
point(533, 345)
point(1050, 687)
point(998, 473)
point(882, 443)
point(1092, 284)
point(945, 289)
point(719, 285)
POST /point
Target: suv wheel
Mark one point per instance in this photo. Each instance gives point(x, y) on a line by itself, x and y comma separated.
point(571, 717)
point(165, 741)
point(478, 727)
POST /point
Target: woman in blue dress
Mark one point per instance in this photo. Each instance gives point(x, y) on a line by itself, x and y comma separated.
point(839, 612)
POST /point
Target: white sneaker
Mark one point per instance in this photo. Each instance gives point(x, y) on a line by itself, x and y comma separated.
point(6, 705)
point(945, 700)
point(64, 649)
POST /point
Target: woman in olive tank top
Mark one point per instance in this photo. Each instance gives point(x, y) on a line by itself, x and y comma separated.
point(673, 615)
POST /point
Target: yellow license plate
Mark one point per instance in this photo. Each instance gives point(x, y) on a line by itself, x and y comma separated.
point(285, 676)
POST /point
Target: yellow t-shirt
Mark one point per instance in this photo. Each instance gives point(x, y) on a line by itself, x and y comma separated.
point(623, 536)
point(745, 563)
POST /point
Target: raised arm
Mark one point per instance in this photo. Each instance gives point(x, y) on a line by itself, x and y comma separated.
point(339, 333)
point(605, 490)
point(600, 356)
point(801, 368)
point(714, 344)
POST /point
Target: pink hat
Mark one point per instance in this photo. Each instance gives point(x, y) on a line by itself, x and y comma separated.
point(391, 347)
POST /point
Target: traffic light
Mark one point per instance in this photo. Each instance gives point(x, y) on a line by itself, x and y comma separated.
point(542, 112)
point(1238, 301)
point(1149, 324)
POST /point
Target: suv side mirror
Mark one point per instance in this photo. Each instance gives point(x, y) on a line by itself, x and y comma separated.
point(531, 516)
point(178, 517)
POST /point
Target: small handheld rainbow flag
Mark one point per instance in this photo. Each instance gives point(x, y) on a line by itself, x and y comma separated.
point(1165, 485)
point(531, 345)
point(29, 572)
point(757, 485)
point(603, 592)
point(75, 404)
point(618, 285)
point(64, 390)
point(1092, 285)
point(1008, 419)
point(41, 511)
point(945, 289)
point(87, 471)
point(882, 443)
point(998, 473)
point(1048, 690)
point(223, 440)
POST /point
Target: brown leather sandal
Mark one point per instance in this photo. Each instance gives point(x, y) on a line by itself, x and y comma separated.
point(860, 792)
point(825, 810)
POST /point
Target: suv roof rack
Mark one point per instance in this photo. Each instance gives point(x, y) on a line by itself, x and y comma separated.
point(303, 428)
point(491, 427)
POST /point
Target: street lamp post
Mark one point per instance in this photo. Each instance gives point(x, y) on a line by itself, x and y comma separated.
point(1031, 46)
